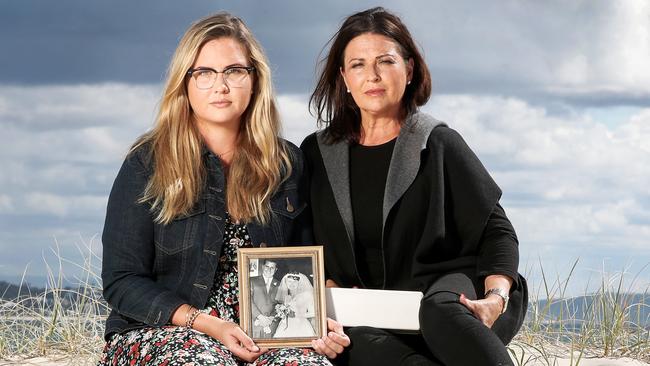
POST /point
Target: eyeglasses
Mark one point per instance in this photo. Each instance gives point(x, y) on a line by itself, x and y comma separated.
point(234, 76)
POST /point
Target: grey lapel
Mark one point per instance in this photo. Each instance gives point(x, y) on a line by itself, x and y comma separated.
point(337, 165)
point(404, 166)
point(405, 162)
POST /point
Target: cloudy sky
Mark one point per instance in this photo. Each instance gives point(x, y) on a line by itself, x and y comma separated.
point(553, 96)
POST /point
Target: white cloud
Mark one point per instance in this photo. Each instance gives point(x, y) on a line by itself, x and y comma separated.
point(566, 179)
point(296, 120)
point(69, 139)
point(73, 123)
point(579, 48)
point(6, 204)
point(64, 206)
point(572, 184)
point(40, 108)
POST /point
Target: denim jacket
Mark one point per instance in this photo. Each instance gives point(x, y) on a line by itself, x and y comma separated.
point(150, 269)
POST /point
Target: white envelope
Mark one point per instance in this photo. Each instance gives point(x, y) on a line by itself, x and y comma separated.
point(386, 309)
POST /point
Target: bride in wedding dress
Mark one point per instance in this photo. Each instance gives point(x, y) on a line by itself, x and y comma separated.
point(296, 307)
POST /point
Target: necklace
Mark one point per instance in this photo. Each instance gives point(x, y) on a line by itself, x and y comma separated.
point(225, 153)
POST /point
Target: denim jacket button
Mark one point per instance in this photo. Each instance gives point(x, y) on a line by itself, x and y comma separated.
point(289, 206)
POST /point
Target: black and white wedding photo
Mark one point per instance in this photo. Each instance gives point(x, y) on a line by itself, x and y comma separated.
point(281, 298)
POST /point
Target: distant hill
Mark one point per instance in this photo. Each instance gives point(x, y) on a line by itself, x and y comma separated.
point(635, 306)
point(10, 291)
point(579, 309)
point(37, 297)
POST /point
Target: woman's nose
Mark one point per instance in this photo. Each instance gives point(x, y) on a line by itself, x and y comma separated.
point(373, 74)
point(221, 85)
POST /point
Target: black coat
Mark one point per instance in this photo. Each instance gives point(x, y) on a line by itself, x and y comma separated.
point(437, 201)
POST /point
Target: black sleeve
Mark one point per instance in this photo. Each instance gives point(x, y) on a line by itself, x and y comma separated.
point(128, 251)
point(302, 233)
point(481, 222)
point(499, 248)
point(474, 194)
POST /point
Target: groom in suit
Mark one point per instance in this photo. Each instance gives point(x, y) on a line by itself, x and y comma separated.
point(263, 291)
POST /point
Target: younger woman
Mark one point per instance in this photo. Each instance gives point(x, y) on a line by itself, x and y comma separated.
point(211, 177)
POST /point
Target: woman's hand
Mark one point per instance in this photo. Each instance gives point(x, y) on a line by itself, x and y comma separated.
point(228, 333)
point(332, 284)
point(486, 310)
point(334, 342)
point(231, 335)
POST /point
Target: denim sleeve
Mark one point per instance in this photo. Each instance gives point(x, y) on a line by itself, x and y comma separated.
point(128, 251)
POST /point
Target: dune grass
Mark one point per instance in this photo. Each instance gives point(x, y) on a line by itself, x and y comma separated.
point(68, 322)
point(611, 321)
point(61, 321)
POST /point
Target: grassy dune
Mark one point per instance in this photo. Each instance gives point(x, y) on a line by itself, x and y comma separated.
point(66, 323)
point(611, 322)
point(56, 321)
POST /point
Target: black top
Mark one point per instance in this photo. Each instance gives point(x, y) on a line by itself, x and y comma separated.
point(368, 171)
point(441, 222)
point(442, 217)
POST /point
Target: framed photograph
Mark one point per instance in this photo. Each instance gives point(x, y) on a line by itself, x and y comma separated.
point(282, 295)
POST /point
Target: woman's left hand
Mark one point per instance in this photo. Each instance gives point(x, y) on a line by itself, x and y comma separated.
point(334, 342)
point(486, 310)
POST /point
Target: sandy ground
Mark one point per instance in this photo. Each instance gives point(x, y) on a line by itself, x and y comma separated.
point(584, 361)
point(49, 361)
point(61, 361)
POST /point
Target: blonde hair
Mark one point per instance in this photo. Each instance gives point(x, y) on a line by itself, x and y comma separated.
point(261, 161)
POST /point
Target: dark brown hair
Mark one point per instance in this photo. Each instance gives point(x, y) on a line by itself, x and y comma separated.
point(330, 102)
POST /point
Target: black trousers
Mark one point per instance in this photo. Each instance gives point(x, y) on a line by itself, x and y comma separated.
point(450, 334)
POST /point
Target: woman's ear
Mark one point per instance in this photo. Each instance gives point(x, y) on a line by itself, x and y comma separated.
point(343, 76)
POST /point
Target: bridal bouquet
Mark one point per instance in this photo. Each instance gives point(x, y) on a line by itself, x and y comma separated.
point(284, 311)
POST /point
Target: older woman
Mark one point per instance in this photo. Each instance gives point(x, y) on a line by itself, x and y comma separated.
point(399, 201)
point(211, 177)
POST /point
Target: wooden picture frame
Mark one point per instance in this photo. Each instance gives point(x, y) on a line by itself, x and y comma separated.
point(289, 309)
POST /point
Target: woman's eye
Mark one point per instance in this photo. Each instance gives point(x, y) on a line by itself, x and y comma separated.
point(203, 73)
point(356, 66)
point(386, 61)
point(235, 71)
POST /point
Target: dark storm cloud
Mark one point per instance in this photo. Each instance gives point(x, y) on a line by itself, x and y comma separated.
point(526, 48)
point(70, 42)
point(73, 42)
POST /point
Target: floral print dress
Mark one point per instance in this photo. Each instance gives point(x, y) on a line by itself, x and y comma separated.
point(174, 345)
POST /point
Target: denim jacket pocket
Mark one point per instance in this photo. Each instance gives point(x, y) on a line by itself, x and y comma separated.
point(287, 202)
point(180, 234)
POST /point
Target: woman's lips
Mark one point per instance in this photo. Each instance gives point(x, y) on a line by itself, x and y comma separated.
point(221, 103)
point(375, 92)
